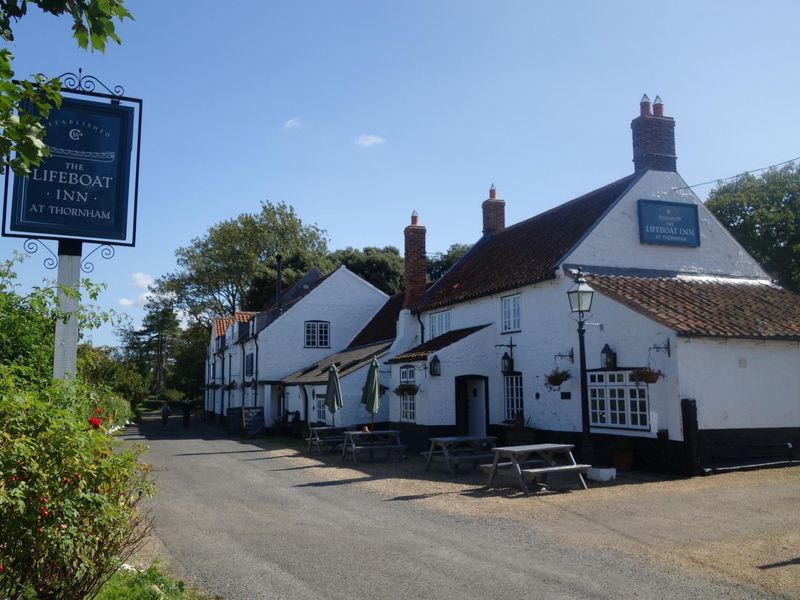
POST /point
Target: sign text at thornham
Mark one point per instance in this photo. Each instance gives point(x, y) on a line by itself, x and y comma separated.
point(668, 223)
point(81, 189)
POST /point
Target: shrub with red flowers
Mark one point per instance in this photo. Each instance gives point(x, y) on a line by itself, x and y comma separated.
point(68, 491)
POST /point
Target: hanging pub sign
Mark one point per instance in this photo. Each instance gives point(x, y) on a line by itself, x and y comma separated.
point(81, 189)
point(668, 223)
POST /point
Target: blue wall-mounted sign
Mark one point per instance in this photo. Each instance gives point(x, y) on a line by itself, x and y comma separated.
point(668, 223)
point(81, 189)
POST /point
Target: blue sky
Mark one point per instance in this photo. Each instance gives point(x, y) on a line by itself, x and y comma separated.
point(357, 112)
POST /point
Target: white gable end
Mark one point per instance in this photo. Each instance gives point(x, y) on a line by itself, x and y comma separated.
point(614, 242)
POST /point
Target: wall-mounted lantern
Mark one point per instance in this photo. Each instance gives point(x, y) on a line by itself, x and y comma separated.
point(435, 368)
point(608, 358)
point(506, 364)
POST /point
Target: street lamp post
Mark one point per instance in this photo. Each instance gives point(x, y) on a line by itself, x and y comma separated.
point(580, 301)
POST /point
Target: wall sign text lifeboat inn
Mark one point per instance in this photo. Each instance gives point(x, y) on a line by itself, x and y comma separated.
point(668, 223)
point(81, 189)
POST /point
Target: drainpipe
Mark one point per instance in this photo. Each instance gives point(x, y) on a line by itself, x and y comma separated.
point(255, 370)
point(241, 389)
point(421, 329)
point(222, 392)
point(278, 282)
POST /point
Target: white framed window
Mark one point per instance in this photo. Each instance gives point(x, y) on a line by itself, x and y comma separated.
point(249, 361)
point(407, 374)
point(318, 334)
point(512, 393)
point(322, 410)
point(408, 402)
point(509, 313)
point(616, 401)
point(438, 323)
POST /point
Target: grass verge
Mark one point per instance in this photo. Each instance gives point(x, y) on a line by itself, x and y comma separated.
point(151, 584)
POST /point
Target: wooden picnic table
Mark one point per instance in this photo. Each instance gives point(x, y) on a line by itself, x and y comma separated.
point(542, 461)
point(356, 441)
point(324, 436)
point(460, 448)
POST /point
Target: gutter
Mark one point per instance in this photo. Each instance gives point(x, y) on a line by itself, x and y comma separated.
point(751, 467)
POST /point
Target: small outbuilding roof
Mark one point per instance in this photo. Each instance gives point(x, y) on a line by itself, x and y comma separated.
point(221, 323)
point(708, 306)
point(347, 361)
point(446, 339)
point(523, 253)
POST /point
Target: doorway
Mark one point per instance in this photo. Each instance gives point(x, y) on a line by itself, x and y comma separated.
point(472, 405)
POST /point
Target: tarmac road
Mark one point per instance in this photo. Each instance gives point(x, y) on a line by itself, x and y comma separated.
point(246, 525)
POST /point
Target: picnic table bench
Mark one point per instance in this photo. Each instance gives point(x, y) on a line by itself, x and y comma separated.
point(324, 436)
point(542, 456)
point(460, 448)
point(357, 441)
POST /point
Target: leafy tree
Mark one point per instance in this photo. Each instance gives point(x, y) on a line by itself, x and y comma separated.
point(217, 270)
point(188, 371)
point(23, 134)
point(382, 267)
point(439, 263)
point(763, 214)
point(104, 367)
point(261, 292)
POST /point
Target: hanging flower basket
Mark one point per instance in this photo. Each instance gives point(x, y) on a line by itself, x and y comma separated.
point(246, 384)
point(555, 378)
point(213, 386)
point(646, 375)
point(407, 389)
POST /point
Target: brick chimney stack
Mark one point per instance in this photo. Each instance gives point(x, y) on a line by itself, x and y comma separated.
point(653, 138)
point(494, 213)
point(415, 262)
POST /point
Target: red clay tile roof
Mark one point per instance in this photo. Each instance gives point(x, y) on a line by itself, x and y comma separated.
point(221, 323)
point(383, 326)
point(421, 352)
point(706, 307)
point(523, 253)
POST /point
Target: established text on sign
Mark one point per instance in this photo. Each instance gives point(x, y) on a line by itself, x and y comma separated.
point(668, 223)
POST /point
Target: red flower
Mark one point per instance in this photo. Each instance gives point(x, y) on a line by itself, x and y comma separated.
point(94, 422)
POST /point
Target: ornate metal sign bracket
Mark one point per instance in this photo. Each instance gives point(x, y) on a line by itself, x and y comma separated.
point(87, 83)
point(106, 253)
point(32, 245)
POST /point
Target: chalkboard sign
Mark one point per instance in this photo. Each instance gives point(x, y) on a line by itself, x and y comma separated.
point(253, 421)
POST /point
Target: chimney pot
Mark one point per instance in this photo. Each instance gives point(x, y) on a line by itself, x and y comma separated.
point(658, 107)
point(414, 218)
point(644, 106)
point(494, 213)
point(492, 192)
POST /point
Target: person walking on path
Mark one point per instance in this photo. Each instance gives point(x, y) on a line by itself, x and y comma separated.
point(187, 410)
point(164, 414)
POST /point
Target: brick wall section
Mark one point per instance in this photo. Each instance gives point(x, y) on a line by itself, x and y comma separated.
point(494, 215)
point(415, 262)
point(654, 143)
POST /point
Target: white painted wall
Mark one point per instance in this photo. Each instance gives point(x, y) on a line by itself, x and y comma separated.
point(344, 299)
point(741, 383)
point(614, 242)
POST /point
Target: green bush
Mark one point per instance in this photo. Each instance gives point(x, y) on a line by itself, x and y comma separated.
point(68, 491)
point(151, 584)
point(171, 396)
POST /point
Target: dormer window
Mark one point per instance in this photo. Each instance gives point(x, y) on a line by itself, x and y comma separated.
point(439, 323)
point(317, 334)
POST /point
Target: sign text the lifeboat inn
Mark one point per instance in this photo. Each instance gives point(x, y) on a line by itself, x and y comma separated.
point(81, 189)
point(668, 223)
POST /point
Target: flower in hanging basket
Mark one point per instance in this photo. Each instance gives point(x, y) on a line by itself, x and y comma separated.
point(646, 375)
point(407, 389)
point(555, 378)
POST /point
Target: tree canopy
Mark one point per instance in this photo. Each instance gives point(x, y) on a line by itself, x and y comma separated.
point(22, 142)
point(439, 263)
point(763, 214)
point(217, 270)
point(382, 267)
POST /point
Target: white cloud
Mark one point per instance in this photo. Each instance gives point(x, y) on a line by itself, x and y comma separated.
point(366, 140)
point(140, 301)
point(293, 123)
point(141, 280)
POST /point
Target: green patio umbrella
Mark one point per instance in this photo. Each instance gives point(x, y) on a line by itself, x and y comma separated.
point(371, 397)
point(333, 395)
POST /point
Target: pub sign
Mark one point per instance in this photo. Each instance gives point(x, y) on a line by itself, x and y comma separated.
point(81, 189)
point(668, 223)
